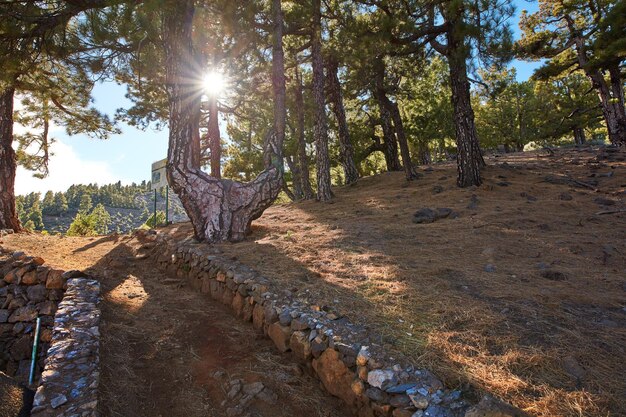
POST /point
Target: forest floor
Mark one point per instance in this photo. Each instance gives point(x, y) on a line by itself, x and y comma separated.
point(520, 293)
point(171, 352)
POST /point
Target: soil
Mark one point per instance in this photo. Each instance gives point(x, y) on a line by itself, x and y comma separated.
point(520, 293)
point(167, 351)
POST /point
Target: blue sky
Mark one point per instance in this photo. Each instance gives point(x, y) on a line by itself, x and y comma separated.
point(127, 157)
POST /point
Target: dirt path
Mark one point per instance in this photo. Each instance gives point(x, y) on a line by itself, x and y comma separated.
point(168, 351)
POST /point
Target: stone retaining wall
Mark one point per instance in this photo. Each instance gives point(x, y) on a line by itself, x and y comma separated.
point(343, 355)
point(28, 290)
point(67, 373)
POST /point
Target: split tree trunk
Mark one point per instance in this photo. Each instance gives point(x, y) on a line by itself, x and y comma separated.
point(469, 158)
point(612, 109)
point(302, 158)
point(320, 129)
point(8, 164)
point(219, 209)
point(409, 170)
point(345, 145)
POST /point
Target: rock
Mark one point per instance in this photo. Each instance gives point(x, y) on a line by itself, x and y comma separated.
point(604, 201)
point(47, 308)
point(318, 346)
point(382, 378)
point(401, 389)
point(419, 401)
point(58, 401)
point(473, 204)
point(300, 345)
point(29, 278)
point(358, 387)
point(565, 197)
point(493, 407)
point(490, 268)
point(376, 394)
point(437, 189)
point(280, 335)
point(38, 261)
point(253, 388)
point(55, 280)
point(268, 396)
point(399, 401)
point(258, 315)
point(26, 313)
point(21, 348)
point(425, 215)
point(553, 275)
point(11, 277)
point(36, 293)
point(238, 303)
point(299, 323)
point(4, 316)
point(363, 356)
point(335, 376)
point(285, 318)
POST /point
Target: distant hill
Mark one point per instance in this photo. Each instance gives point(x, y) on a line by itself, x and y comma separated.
point(128, 205)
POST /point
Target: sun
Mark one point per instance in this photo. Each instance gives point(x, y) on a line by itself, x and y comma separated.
point(214, 83)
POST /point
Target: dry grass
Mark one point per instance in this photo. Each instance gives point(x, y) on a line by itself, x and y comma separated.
point(552, 347)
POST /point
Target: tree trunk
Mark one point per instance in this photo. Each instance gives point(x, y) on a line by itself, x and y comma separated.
point(389, 136)
point(302, 158)
point(215, 145)
point(469, 158)
point(612, 109)
point(296, 176)
point(219, 209)
point(8, 164)
point(345, 145)
point(409, 170)
point(389, 139)
point(579, 136)
point(278, 80)
point(320, 129)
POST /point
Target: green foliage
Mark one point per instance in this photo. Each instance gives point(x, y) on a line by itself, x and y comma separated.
point(102, 219)
point(83, 225)
point(160, 220)
point(85, 204)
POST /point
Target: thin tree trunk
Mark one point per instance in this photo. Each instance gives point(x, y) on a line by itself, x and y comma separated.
point(219, 209)
point(213, 133)
point(345, 145)
point(278, 81)
point(296, 176)
point(579, 136)
point(320, 130)
point(469, 157)
point(409, 170)
point(8, 164)
point(302, 158)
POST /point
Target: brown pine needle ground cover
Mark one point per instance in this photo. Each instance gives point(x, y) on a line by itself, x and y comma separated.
point(546, 330)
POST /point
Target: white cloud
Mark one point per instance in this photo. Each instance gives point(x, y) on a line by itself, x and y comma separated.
point(66, 168)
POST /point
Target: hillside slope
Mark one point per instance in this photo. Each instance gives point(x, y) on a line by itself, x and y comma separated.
point(521, 291)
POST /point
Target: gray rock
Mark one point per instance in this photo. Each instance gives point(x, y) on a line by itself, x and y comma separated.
point(26, 313)
point(376, 394)
point(490, 268)
point(419, 401)
point(400, 389)
point(37, 293)
point(493, 407)
point(565, 197)
point(253, 388)
point(58, 401)
point(382, 378)
point(4, 316)
point(428, 215)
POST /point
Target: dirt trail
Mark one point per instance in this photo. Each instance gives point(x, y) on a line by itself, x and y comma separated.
point(170, 352)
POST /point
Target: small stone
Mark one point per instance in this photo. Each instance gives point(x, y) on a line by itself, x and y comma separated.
point(284, 318)
point(300, 345)
point(363, 356)
point(233, 391)
point(400, 401)
point(400, 389)
point(58, 401)
point(437, 189)
point(553, 275)
point(490, 268)
point(565, 197)
point(36, 293)
point(376, 394)
point(381, 378)
point(29, 278)
point(419, 401)
point(604, 201)
point(358, 387)
point(4, 316)
point(26, 313)
point(398, 412)
point(267, 396)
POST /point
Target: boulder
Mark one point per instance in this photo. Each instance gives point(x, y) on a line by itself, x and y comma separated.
point(300, 345)
point(55, 280)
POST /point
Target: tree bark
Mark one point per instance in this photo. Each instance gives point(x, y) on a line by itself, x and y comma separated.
point(215, 145)
point(219, 209)
point(278, 80)
point(345, 145)
point(302, 158)
point(579, 136)
point(8, 163)
point(320, 129)
point(389, 139)
point(296, 176)
point(469, 157)
point(409, 169)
